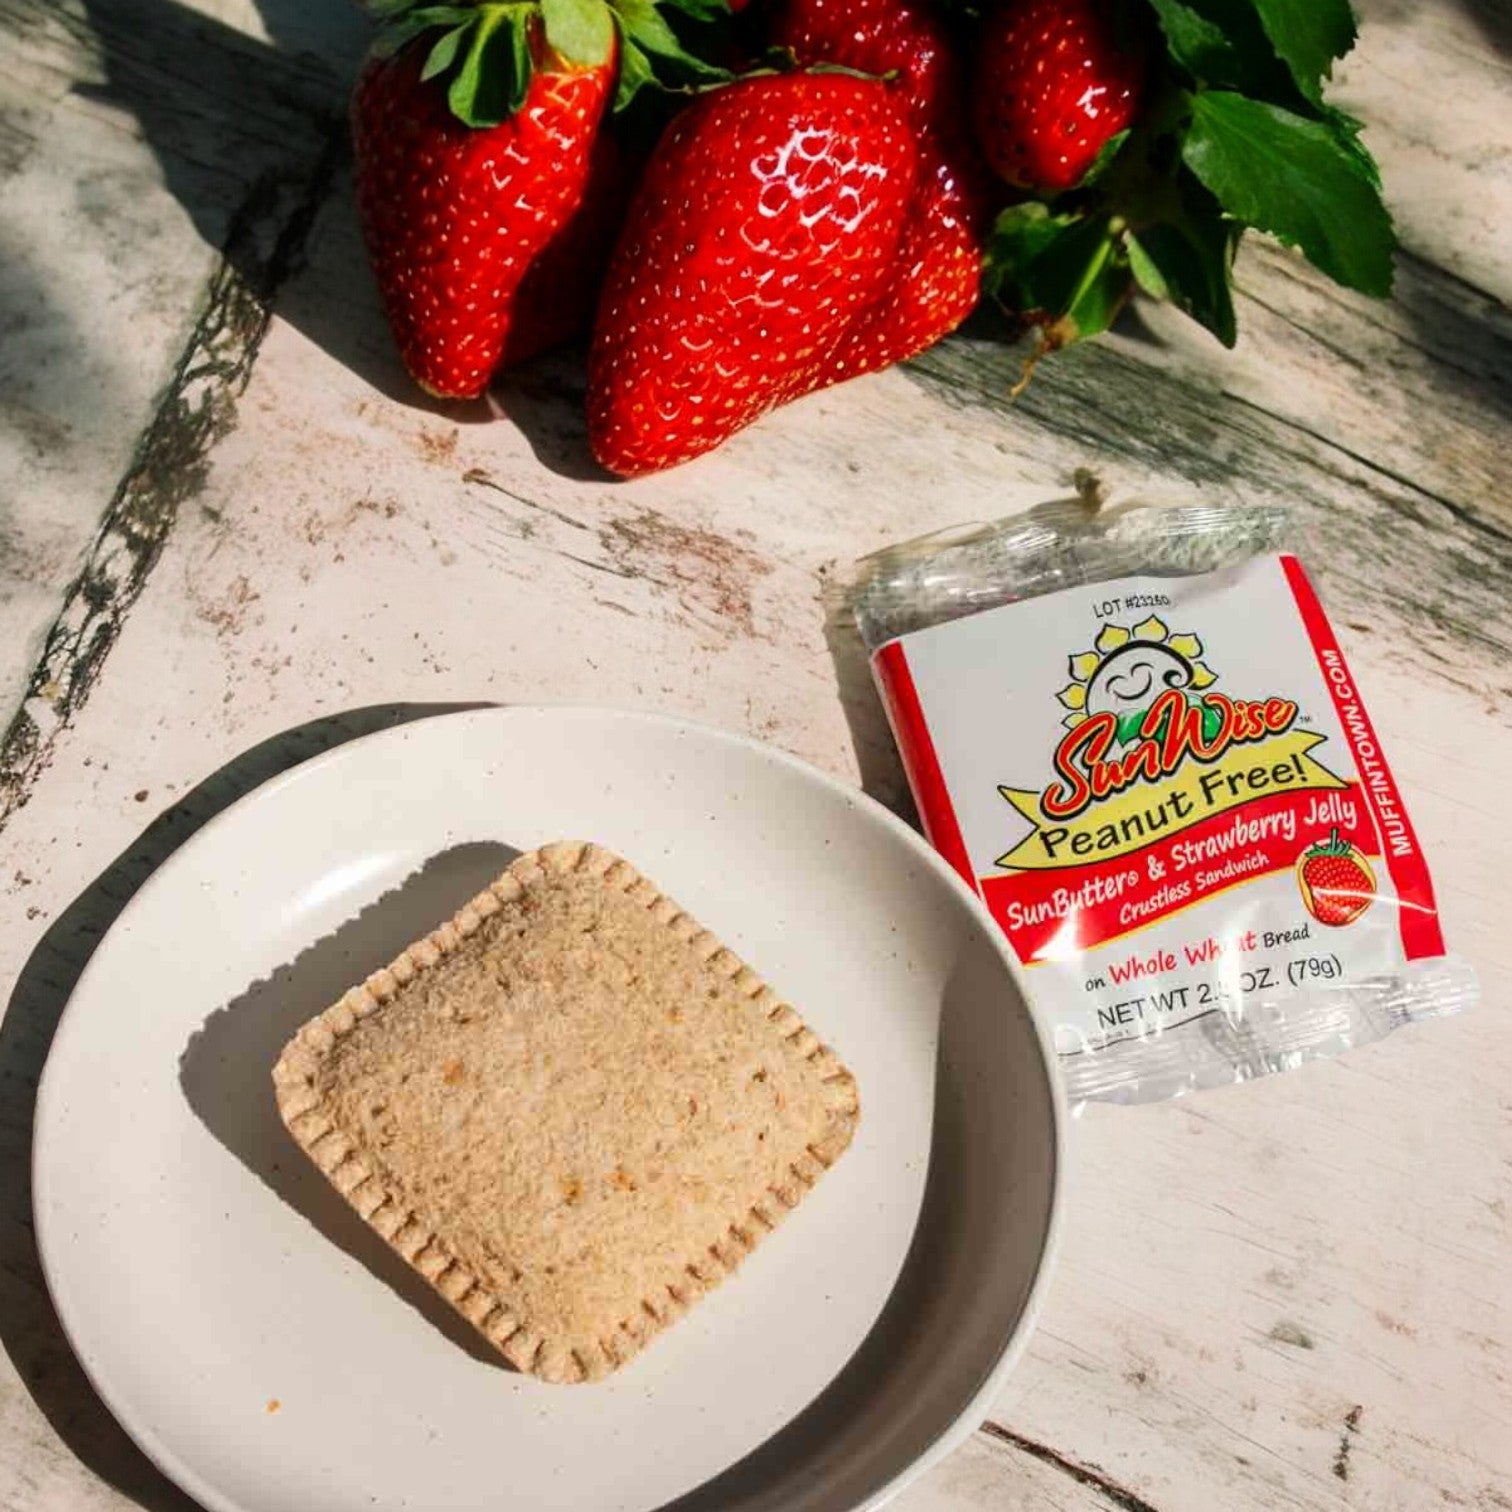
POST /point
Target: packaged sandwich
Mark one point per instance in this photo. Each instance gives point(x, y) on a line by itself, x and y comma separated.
point(1134, 735)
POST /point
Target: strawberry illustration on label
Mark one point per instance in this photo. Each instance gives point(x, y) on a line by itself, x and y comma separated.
point(1336, 881)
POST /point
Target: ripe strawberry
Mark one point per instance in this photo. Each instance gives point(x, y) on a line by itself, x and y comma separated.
point(557, 296)
point(1336, 881)
point(1055, 81)
point(906, 38)
point(454, 214)
point(767, 222)
point(937, 274)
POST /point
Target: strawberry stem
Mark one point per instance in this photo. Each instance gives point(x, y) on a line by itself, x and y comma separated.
point(1335, 845)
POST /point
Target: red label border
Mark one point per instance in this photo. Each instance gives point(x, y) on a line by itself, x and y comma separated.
point(1418, 912)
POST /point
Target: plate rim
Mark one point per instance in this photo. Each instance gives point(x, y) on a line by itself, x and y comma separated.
point(971, 1415)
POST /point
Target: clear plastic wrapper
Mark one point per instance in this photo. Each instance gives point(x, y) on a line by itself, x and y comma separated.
point(1133, 733)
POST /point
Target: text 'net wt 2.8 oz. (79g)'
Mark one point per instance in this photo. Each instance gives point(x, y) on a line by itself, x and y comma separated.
point(1134, 735)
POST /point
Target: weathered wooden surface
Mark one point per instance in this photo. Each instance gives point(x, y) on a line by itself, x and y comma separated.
point(219, 527)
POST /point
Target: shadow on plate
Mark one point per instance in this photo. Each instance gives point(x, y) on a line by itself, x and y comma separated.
point(964, 1285)
point(225, 1069)
point(29, 1327)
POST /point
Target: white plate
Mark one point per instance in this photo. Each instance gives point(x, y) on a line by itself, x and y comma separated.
point(272, 1356)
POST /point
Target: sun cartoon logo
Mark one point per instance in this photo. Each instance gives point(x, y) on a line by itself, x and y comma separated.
point(1128, 669)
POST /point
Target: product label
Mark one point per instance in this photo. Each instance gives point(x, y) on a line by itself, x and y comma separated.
point(1167, 793)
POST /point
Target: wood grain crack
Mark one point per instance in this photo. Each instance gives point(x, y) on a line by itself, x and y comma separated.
point(484, 479)
point(1470, 518)
point(264, 245)
point(614, 571)
point(1085, 1475)
point(1304, 329)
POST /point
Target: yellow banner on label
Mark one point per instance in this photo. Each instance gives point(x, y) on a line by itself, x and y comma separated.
point(1127, 822)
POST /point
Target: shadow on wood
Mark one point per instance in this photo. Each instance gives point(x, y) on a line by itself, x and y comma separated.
point(877, 758)
point(252, 141)
point(544, 399)
point(1494, 20)
point(251, 138)
point(1467, 332)
point(29, 1326)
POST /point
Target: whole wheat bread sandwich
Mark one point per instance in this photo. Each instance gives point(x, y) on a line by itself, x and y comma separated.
point(570, 1108)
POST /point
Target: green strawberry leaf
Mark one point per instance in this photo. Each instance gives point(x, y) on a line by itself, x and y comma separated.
point(513, 75)
point(417, 20)
point(1104, 159)
point(640, 20)
point(1346, 130)
point(1188, 260)
point(635, 74)
point(579, 31)
point(1200, 45)
point(486, 54)
point(1066, 272)
point(1020, 237)
point(699, 10)
point(1292, 177)
point(495, 73)
point(644, 25)
point(1100, 292)
point(1221, 44)
point(444, 53)
point(652, 52)
point(1308, 35)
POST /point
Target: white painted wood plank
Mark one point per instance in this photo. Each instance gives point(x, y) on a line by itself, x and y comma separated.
point(131, 139)
point(1434, 84)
